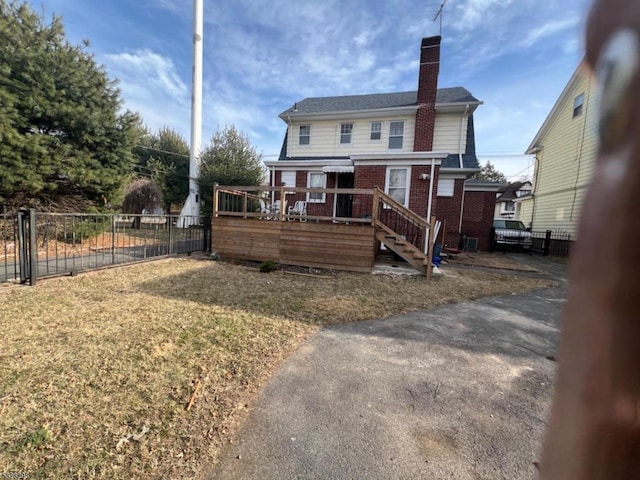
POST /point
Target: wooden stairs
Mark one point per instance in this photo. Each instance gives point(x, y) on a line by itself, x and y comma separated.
point(394, 242)
point(395, 224)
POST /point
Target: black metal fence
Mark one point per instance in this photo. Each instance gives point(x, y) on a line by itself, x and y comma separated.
point(555, 243)
point(36, 245)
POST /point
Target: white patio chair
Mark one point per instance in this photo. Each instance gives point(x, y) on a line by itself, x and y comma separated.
point(265, 210)
point(275, 209)
point(299, 211)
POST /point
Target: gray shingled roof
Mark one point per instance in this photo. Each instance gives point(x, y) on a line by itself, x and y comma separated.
point(375, 101)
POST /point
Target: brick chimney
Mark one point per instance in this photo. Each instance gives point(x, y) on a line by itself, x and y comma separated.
point(427, 90)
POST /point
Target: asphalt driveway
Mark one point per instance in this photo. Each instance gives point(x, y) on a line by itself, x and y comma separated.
point(459, 392)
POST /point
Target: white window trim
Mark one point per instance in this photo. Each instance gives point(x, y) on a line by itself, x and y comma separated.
point(379, 140)
point(353, 127)
point(304, 145)
point(404, 130)
point(407, 187)
point(324, 185)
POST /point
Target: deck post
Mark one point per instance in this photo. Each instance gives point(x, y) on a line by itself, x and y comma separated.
point(283, 206)
point(215, 200)
point(432, 222)
point(376, 205)
point(244, 205)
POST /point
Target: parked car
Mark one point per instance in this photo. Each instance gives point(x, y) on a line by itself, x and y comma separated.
point(511, 234)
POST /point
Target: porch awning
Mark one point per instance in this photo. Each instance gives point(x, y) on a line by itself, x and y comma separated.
point(338, 169)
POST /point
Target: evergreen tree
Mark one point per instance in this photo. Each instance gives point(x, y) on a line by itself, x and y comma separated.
point(61, 129)
point(230, 159)
point(164, 156)
point(489, 173)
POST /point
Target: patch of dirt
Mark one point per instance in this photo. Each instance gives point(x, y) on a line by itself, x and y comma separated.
point(490, 260)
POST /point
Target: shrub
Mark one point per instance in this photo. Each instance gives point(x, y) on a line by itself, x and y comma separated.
point(268, 266)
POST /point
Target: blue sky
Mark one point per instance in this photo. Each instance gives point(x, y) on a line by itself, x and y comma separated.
point(261, 56)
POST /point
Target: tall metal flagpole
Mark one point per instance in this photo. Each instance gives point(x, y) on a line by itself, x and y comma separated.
point(190, 214)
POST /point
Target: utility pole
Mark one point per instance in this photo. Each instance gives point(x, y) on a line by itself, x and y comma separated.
point(190, 214)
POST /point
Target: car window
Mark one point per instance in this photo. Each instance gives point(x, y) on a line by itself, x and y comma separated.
point(499, 224)
point(515, 225)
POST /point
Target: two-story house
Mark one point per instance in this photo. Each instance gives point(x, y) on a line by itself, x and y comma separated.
point(506, 206)
point(419, 146)
point(565, 148)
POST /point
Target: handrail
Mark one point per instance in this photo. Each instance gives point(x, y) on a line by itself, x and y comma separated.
point(403, 210)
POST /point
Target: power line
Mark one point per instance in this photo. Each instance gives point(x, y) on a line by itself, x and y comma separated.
point(163, 151)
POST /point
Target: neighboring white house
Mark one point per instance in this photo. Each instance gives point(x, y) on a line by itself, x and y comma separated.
point(565, 150)
point(506, 206)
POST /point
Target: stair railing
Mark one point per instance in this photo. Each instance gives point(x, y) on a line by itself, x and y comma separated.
point(389, 213)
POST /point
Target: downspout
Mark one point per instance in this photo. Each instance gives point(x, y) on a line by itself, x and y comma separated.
point(273, 183)
point(426, 237)
point(536, 174)
point(461, 210)
point(466, 110)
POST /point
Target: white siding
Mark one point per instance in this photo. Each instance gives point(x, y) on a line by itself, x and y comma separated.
point(325, 138)
point(446, 136)
point(566, 162)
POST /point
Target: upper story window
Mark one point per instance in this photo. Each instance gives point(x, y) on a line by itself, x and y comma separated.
point(304, 138)
point(376, 131)
point(578, 104)
point(396, 134)
point(346, 129)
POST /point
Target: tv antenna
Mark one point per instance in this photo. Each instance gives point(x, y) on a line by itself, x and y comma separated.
point(440, 14)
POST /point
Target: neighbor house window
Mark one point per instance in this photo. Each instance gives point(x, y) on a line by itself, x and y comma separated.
point(376, 131)
point(345, 132)
point(578, 104)
point(509, 206)
point(446, 187)
point(305, 135)
point(398, 184)
point(316, 180)
point(396, 134)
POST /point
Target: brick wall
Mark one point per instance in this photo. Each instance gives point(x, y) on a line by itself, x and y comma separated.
point(419, 193)
point(427, 91)
point(477, 217)
point(447, 211)
point(367, 177)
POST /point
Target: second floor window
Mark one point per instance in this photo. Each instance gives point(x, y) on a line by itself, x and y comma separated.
point(376, 131)
point(305, 135)
point(578, 103)
point(396, 134)
point(345, 132)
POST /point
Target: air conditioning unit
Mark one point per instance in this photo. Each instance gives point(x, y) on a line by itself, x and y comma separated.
point(470, 244)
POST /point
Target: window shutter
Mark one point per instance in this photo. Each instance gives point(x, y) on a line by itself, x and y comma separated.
point(446, 187)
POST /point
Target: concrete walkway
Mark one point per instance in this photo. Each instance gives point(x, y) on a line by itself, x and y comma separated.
point(459, 392)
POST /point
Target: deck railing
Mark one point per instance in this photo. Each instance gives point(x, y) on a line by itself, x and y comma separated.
point(265, 203)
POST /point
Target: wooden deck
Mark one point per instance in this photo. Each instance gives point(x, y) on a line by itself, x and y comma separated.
point(320, 245)
point(243, 227)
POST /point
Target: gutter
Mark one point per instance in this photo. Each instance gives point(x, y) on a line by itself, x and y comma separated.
point(466, 110)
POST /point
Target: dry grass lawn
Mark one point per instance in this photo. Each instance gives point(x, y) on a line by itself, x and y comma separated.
point(96, 370)
point(491, 260)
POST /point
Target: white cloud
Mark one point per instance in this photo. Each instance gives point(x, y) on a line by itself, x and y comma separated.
point(157, 71)
point(548, 29)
